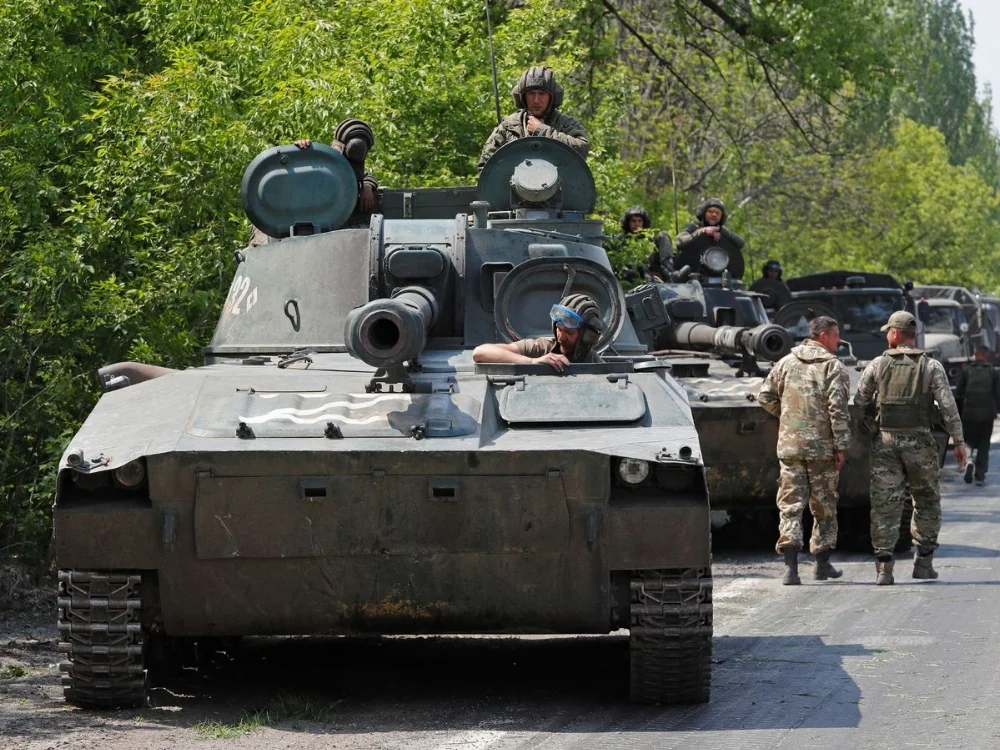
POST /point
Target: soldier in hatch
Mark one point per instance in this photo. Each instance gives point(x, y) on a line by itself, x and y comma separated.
point(807, 391)
point(978, 391)
point(709, 230)
point(537, 97)
point(659, 261)
point(903, 385)
point(576, 327)
point(771, 284)
point(354, 139)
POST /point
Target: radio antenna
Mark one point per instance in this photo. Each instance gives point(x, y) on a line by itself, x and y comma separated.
point(493, 63)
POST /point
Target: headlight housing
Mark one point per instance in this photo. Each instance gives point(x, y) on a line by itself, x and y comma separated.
point(633, 471)
point(715, 259)
point(131, 475)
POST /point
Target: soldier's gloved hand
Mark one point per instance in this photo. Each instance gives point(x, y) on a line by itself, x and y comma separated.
point(303, 143)
point(367, 198)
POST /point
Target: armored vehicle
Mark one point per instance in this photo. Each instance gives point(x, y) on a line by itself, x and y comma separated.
point(979, 329)
point(715, 337)
point(341, 465)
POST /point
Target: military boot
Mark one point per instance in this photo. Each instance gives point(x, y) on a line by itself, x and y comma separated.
point(791, 568)
point(923, 567)
point(884, 570)
point(824, 569)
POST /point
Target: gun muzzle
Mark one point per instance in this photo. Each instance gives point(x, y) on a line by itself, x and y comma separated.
point(387, 332)
point(769, 341)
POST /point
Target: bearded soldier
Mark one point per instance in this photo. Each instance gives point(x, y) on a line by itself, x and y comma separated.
point(903, 384)
point(537, 97)
point(576, 327)
point(807, 391)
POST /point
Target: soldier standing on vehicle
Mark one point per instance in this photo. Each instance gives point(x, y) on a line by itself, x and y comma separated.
point(537, 97)
point(978, 391)
point(808, 391)
point(709, 230)
point(903, 384)
point(576, 327)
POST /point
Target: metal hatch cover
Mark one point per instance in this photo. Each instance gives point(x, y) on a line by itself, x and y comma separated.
point(575, 180)
point(572, 399)
point(288, 187)
point(526, 295)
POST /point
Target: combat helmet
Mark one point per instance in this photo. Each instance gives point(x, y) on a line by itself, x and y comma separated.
point(636, 211)
point(591, 325)
point(771, 265)
point(357, 137)
point(538, 77)
point(711, 203)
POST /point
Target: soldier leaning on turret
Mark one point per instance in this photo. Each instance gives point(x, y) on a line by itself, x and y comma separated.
point(537, 97)
point(903, 384)
point(354, 139)
point(709, 230)
point(576, 327)
point(978, 391)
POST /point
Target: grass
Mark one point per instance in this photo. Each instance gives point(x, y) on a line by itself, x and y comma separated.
point(12, 672)
point(285, 708)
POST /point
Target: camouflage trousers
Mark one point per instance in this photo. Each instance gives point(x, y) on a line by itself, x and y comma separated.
point(905, 464)
point(813, 483)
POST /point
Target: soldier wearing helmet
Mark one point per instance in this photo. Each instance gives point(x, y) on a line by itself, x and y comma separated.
point(537, 97)
point(656, 247)
point(709, 230)
point(777, 294)
point(576, 327)
point(354, 139)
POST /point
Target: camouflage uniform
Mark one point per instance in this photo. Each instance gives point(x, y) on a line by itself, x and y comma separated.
point(557, 126)
point(906, 459)
point(808, 391)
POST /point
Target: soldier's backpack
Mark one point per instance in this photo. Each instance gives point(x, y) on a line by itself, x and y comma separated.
point(904, 397)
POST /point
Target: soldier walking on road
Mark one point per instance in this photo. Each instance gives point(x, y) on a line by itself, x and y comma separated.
point(904, 383)
point(537, 97)
point(808, 390)
point(978, 391)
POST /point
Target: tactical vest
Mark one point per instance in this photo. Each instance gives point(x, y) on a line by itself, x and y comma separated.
point(904, 399)
point(978, 406)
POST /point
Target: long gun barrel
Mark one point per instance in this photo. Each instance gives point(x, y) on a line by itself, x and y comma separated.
point(387, 332)
point(768, 341)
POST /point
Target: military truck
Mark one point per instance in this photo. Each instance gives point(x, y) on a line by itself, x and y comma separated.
point(341, 465)
point(860, 301)
point(979, 330)
point(946, 334)
point(991, 309)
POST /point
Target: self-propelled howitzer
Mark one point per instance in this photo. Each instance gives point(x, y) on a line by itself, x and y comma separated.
point(340, 464)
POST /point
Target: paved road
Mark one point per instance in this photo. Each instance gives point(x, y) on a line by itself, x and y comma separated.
point(840, 664)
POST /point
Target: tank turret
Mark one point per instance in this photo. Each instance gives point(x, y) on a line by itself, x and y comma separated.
point(689, 317)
